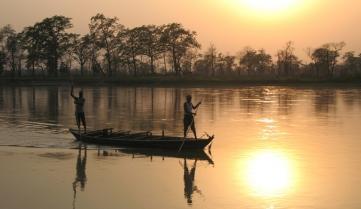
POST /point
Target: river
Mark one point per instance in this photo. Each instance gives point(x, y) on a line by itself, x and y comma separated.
point(275, 147)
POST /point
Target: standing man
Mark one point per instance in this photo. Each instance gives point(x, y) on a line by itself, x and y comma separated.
point(188, 120)
point(79, 108)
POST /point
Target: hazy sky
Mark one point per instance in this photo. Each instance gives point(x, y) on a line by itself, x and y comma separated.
point(229, 24)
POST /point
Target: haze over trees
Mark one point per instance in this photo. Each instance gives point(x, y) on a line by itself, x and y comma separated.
point(110, 49)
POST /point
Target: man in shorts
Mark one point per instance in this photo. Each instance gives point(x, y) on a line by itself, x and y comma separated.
point(79, 108)
point(188, 120)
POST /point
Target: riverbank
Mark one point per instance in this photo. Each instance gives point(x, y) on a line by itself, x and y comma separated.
point(173, 81)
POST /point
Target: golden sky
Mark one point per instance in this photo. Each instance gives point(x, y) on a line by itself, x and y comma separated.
point(229, 24)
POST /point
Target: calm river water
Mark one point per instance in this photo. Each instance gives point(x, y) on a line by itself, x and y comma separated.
point(275, 147)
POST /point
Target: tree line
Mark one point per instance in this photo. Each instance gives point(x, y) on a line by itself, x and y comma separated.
point(109, 49)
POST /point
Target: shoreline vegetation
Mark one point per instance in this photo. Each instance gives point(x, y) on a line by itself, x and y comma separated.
point(185, 81)
point(47, 53)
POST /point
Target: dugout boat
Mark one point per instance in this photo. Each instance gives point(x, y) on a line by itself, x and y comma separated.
point(141, 140)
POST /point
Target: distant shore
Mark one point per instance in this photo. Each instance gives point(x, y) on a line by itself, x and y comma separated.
point(172, 81)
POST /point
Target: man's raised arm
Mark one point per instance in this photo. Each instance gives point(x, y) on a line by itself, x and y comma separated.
point(195, 107)
point(72, 92)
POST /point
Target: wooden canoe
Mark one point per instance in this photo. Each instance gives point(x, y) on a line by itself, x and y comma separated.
point(140, 140)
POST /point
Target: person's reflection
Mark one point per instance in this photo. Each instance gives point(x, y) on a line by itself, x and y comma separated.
point(189, 187)
point(80, 178)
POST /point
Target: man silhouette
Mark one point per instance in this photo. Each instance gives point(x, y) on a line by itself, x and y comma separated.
point(188, 120)
point(79, 108)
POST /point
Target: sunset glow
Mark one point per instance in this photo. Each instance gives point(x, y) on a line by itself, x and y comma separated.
point(229, 24)
point(269, 5)
point(206, 104)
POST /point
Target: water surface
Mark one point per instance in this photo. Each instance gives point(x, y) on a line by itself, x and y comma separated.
point(275, 147)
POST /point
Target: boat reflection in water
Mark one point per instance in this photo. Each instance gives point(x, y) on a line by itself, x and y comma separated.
point(184, 154)
point(188, 172)
point(80, 177)
point(189, 169)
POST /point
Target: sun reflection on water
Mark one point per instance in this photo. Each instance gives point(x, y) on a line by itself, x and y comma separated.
point(270, 129)
point(268, 173)
point(266, 120)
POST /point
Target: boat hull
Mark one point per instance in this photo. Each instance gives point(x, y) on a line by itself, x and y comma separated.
point(146, 141)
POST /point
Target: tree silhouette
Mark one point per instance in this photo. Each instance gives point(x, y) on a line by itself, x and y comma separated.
point(48, 40)
point(11, 46)
point(177, 41)
point(2, 61)
point(225, 64)
point(255, 61)
point(188, 60)
point(211, 55)
point(325, 58)
point(131, 47)
point(111, 49)
point(352, 63)
point(33, 47)
point(208, 63)
point(104, 32)
point(82, 51)
point(149, 43)
point(287, 61)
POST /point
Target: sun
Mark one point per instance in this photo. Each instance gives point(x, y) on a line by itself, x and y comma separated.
point(269, 6)
point(268, 11)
